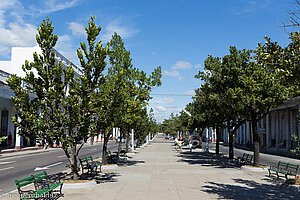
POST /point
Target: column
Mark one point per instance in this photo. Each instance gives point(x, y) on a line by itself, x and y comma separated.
point(277, 131)
point(268, 130)
point(114, 133)
point(288, 129)
point(248, 133)
point(18, 140)
point(132, 140)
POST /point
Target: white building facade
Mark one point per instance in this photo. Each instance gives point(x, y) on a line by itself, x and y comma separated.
point(275, 129)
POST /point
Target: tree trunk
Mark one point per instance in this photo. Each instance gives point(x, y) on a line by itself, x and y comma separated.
point(200, 130)
point(256, 141)
point(218, 134)
point(104, 150)
point(231, 155)
point(75, 164)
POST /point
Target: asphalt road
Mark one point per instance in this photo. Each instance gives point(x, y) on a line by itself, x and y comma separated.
point(265, 159)
point(15, 168)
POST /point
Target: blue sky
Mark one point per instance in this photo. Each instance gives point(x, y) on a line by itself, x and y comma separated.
point(177, 35)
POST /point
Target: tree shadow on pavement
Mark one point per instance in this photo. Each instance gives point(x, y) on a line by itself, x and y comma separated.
point(207, 159)
point(247, 189)
point(107, 177)
point(129, 163)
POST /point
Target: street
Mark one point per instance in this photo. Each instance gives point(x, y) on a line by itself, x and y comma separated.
point(265, 159)
point(54, 161)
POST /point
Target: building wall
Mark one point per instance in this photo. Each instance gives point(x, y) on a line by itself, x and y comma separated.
point(275, 129)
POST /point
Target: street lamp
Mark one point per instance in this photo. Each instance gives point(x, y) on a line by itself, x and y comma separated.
point(206, 144)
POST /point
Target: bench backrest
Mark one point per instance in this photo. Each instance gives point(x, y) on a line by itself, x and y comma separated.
point(23, 182)
point(86, 160)
point(249, 158)
point(244, 156)
point(294, 167)
point(40, 176)
point(283, 165)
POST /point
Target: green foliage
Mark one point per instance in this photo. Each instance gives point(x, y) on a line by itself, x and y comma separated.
point(53, 103)
point(237, 88)
point(296, 149)
point(282, 61)
point(3, 139)
point(125, 91)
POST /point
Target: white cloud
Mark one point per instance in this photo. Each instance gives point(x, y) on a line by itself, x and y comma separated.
point(65, 46)
point(161, 108)
point(182, 65)
point(10, 10)
point(18, 35)
point(77, 29)
point(253, 6)
point(168, 100)
point(50, 6)
point(125, 31)
point(154, 53)
point(173, 73)
point(199, 66)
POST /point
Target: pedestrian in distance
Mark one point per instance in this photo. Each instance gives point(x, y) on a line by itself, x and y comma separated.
point(180, 143)
point(190, 143)
point(176, 144)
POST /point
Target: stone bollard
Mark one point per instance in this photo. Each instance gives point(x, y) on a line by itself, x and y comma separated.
point(297, 180)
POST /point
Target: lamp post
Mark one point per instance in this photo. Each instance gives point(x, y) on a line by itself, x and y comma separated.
point(132, 140)
point(206, 144)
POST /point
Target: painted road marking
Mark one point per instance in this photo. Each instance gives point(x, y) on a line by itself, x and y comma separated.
point(93, 149)
point(4, 163)
point(61, 156)
point(47, 167)
point(6, 168)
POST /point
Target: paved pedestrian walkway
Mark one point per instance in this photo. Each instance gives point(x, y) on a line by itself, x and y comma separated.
point(157, 172)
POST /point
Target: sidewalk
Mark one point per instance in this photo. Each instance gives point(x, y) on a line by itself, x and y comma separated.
point(157, 172)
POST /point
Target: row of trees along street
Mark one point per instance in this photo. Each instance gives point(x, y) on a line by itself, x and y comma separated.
point(55, 104)
point(243, 86)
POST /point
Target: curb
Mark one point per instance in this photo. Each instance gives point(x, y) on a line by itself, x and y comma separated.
point(109, 166)
point(254, 169)
point(76, 186)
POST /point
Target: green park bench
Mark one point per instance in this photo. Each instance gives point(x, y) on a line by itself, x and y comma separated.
point(44, 187)
point(112, 158)
point(246, 159)
point(285, 169)
point(87, 163)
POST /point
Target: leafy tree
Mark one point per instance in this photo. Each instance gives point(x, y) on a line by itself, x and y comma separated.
point(282, 61)
point(124, 92)
point(54, 104)
point(262, 91)
point(221, 89)
point(241, 89)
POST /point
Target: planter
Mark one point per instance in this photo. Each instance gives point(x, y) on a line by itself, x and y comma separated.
point(130, 154)
point(254, 169)
point(80, 184)
point(113, 166)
